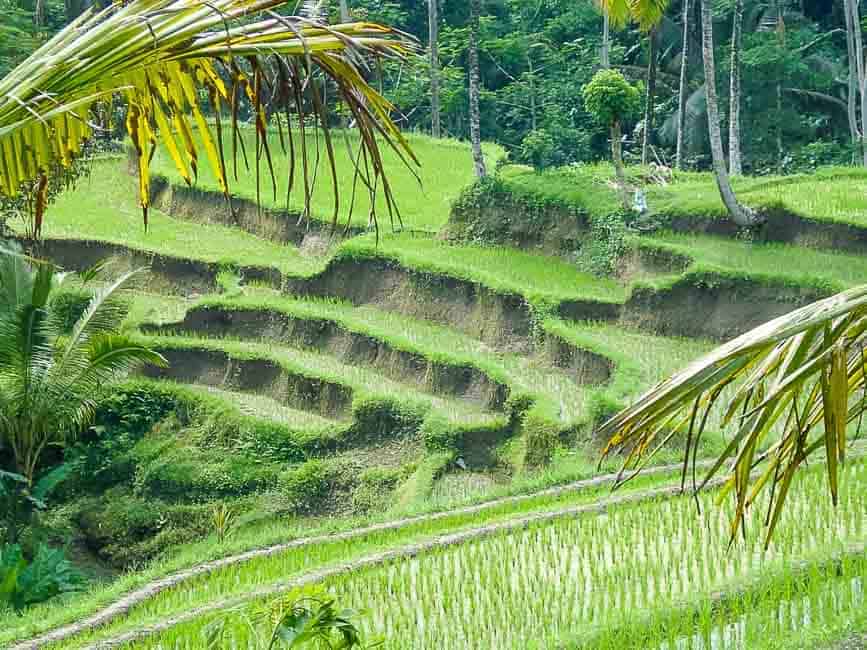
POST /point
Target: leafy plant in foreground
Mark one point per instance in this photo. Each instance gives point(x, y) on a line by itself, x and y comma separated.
point(303, 618)
point(51, 382)
point(24, 583)
point(164, 57)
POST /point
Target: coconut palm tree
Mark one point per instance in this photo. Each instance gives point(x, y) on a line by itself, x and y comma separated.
point(788, 390)
point(682, 88)
point(475, 90)
point(167, 58)
point(434, 36)
point(740, 214)
point(51, 381)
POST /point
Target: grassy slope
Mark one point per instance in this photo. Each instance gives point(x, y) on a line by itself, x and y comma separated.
point(564, 399)
point(446, 168)
point(105, 207)
point(830, 194)
point(539, 278)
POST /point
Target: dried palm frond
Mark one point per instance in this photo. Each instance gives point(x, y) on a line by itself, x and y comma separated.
point(797, 385)
point(170, 59)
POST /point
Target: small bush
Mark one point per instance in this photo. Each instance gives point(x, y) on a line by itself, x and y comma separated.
point(307, 486)
point(610, 98)
point(440, 435)
point(605, 245)
point(542, 439)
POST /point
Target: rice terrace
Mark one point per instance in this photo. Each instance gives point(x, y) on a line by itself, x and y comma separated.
point(433, 325)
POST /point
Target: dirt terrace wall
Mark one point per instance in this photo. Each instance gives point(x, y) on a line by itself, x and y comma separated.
point(498, 216)
point(220, 370)
point(719, 309)
point(783, 227)
point(354, 348)
point(209, 207)
point(502, 320)
point(166, 274)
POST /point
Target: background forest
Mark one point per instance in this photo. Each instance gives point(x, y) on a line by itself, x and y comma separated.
point(536, 56)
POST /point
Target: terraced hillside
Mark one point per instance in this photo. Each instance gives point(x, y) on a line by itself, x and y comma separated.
point(367, 386)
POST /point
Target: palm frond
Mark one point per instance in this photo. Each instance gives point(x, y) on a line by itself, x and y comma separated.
point(159, 54)
point(793, 384)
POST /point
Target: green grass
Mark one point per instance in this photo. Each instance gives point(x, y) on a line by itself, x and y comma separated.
point(540, 279)
point(836, 194)
point(104, 207)
point(446, 168)
point(364, 383)
point(797, 264)
point(563, 400)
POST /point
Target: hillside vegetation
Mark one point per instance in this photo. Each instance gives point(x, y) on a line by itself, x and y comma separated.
point(321, 383)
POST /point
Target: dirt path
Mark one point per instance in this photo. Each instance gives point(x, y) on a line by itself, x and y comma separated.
point(123, 605)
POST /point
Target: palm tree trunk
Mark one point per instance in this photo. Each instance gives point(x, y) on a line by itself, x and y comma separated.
point(739, 214)
point(344, 12)
point(606, 40)
point(434, 33)
point(851, 107)
point(735, 159)
point(617, 157)
point(681, 93)
point(851, 6)
point(647, 140)
point(475, 84)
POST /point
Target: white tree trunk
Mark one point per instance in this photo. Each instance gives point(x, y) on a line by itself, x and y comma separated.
point(617, 158)
point(735, 159)
point(739, 214)
point(344, 12)
point(606, 40)
point(647, 140)
point(851, 104)
point(681, 93)
point(475, 85)
point(434, 33)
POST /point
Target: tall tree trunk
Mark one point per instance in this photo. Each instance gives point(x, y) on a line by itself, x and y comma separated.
point(617, 157)
point(781, 36)
point(854, 15)
point(344, 12)
point(475, 85)
point(606, 40)
point(852, 110)
point(434, 33)
point(851, 104)
point(647, 140)
point(739, 214)
point(681, 93)
point(735, 159)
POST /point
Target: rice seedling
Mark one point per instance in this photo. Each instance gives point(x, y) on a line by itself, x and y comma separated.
point(336, 549)
point(573, 578)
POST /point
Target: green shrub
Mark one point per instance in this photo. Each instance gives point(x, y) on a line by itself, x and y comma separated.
point(605, 246)
point(375, 487)
point(542, 439)
point(610, 98)
point(306, 486)
point(440, 435)
point(183, 473)
point(127, 530)
point(385, 417)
